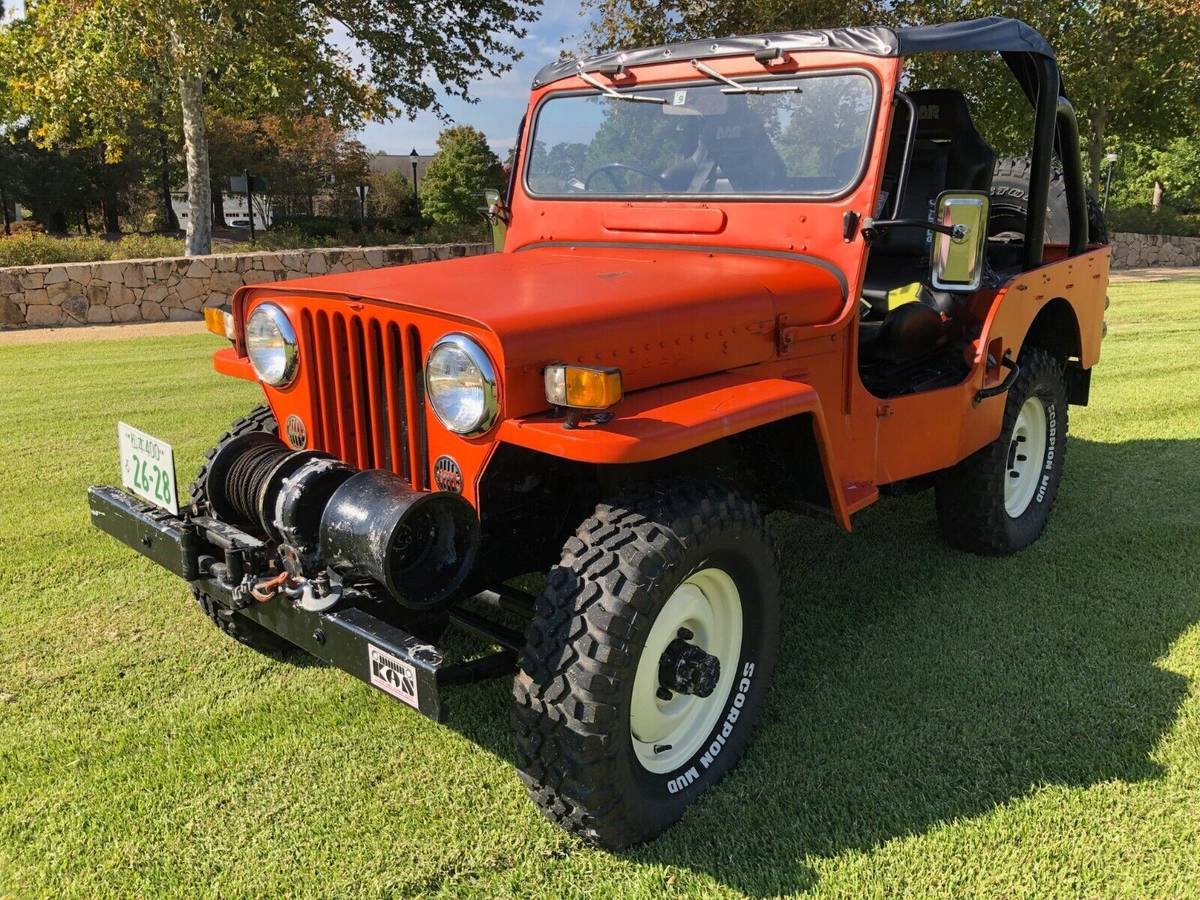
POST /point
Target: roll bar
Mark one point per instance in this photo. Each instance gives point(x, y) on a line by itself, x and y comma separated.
point(1055, 128)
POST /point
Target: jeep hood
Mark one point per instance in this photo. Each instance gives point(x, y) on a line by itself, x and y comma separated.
point(658, 314)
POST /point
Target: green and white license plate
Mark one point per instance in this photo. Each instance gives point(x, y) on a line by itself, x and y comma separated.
point(148, 467)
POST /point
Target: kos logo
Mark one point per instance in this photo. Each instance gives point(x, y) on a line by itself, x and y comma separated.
point(929, 112)
point(392, 675)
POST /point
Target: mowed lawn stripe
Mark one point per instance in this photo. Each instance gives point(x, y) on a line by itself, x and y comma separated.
point(940, 723)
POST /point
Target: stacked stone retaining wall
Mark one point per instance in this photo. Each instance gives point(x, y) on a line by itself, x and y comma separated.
point(1141, 251)
point(156, 290)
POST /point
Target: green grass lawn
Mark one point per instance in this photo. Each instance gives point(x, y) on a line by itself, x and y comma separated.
point(940, 723)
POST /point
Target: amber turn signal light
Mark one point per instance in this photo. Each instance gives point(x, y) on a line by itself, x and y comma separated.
point(581, 387)
point(219, 320)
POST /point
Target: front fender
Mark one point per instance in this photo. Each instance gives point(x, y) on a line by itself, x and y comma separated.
point(662, 422)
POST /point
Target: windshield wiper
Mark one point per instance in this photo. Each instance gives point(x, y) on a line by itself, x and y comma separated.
point(613, 94)
point(738, 88)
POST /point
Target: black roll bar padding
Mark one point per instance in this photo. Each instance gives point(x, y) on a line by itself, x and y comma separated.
point(1072, 166)
point(1045, 118)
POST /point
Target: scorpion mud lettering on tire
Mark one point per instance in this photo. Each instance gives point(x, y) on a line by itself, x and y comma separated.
point(674, 552)
point(998, 500)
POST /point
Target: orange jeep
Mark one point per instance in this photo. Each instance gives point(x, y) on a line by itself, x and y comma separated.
point(735, 275)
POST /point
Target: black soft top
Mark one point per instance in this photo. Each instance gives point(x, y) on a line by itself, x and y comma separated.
point(993, 34)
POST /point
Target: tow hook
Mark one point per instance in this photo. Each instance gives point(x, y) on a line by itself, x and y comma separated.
point(311, 594)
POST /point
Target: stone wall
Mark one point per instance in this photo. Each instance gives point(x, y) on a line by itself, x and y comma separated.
point(1138, 251)
point(155, 290)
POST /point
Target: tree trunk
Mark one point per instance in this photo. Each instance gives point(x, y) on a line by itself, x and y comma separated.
point(198, 240)
point(112, 221)
point(4, 208)
point(218, 205)
point(1097, 120)
point(169, 221)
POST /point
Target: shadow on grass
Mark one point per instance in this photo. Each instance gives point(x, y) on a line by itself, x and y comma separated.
point(918, 685)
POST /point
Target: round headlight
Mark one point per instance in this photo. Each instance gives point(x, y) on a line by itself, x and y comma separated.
point(271, 345)
point(460, 383)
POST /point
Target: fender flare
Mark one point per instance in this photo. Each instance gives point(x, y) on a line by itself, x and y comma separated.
point(661, 422)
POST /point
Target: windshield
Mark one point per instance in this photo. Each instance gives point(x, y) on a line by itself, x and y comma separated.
point(705, 138)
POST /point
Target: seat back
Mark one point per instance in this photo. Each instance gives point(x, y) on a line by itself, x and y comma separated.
point(949, 153)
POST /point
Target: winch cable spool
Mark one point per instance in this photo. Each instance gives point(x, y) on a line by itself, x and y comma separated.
point(420, 546)
point(247, 474)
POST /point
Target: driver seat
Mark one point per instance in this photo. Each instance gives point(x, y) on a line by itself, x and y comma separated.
point(949, 154)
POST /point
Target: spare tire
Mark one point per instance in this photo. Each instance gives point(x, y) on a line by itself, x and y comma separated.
point(1010, 202)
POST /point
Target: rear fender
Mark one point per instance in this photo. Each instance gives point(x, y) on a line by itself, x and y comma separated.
point(666, 421)
point(1042, 297)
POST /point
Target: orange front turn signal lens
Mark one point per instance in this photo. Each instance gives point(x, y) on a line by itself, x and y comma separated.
point(581, 387)
point(219, 320)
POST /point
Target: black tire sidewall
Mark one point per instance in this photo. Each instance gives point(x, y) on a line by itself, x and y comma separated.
point(1025, 528)
point(1009, 194)
point(661, 797)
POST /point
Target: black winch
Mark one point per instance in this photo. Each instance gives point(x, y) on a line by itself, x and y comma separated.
point(371, 524)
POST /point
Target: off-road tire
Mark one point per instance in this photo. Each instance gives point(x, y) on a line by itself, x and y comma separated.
point(970, 496)
point(241, 629)
point(1009, 202)
point(571, 695)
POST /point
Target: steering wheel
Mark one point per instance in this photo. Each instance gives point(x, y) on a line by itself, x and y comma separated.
point(610, 171)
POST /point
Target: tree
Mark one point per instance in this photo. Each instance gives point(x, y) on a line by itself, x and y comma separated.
point(392, 199)
point(630, 23)
point(235, 146)
point(462, 168)
point(1129, 66)
point(81, 65)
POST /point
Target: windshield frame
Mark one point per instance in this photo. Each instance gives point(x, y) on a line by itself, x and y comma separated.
point(824, 197)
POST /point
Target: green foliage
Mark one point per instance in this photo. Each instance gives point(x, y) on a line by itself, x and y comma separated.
point(1176, 167)
point(32, 249)
point(462, 168)
point(82, 71)
point(1142, 219)
point(1130, 66)
point(392, 199)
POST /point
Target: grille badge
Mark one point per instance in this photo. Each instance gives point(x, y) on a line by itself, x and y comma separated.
point(447, 475)
point(297, 434)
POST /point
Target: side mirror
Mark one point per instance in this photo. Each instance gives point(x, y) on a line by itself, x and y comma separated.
point(957, 258)
point(497, 215)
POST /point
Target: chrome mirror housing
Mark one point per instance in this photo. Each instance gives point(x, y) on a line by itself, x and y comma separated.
point(957, 258)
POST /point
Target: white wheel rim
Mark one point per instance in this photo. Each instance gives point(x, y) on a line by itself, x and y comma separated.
point(1026, 457)
point(666, 733)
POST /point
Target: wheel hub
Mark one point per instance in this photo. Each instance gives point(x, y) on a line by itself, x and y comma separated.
point(1026, 457)
point(686, 669)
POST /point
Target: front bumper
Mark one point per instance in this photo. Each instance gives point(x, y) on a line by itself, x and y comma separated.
point(213, 556)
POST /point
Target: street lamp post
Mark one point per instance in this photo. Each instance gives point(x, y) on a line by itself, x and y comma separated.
point(1111, 159)
point(414, 157)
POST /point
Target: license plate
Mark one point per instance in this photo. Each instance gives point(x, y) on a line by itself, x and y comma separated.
point(148, 467)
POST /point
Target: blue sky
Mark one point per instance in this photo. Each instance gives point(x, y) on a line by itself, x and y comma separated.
point(501, 100)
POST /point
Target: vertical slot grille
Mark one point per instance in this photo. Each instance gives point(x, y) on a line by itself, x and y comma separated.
point(366, 377)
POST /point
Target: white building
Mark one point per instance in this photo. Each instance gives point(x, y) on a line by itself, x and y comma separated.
point(237, 213)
